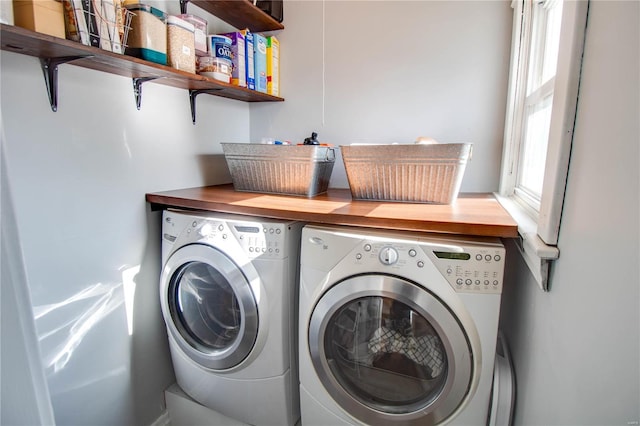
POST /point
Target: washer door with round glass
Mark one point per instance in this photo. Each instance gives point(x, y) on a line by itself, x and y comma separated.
point(209, 306)
point(389, 351)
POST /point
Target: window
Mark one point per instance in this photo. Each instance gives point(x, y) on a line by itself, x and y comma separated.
point(536, 71)
point(536, 111)
point(547, 45)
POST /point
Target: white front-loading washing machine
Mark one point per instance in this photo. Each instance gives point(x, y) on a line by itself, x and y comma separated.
point(228, 292)
point(397, 327)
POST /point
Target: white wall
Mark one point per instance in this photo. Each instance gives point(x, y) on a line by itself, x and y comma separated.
point(576, 349)
point(390, 71)
point(24, 394)
point(78, 178)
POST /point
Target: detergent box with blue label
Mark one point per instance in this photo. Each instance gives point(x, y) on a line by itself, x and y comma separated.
point(260, 62)
point(249, 55)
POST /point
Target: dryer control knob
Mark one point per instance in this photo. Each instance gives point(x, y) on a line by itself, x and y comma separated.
point(388, 255)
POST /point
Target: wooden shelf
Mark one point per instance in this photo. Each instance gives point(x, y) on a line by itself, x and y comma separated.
point(470, 214)
point(240, 13)
point(43, 46)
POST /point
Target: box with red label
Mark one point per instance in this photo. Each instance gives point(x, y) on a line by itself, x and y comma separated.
point(273, 66)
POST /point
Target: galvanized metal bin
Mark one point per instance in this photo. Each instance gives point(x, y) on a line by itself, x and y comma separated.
point(302, 170)
point(414, 173)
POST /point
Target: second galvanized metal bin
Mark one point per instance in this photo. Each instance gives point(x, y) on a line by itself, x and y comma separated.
point(417, 173)
point(303, 170)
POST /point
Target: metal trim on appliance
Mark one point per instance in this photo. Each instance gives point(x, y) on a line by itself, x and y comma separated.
point(239, 280)
point(457, 348)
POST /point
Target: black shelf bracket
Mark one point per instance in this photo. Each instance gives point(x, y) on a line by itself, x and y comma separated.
point(183, 6)
point(192, 100)
point(137, 88)
point(50, 71)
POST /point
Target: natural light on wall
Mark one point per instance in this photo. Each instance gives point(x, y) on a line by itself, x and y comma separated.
point(547, 45)
point(129, 288)
point(72, 319)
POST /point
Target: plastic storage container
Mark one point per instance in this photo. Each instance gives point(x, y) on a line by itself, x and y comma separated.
point(181, 52)
point(200, 32)
point(215, 68)
point(302, 170)
point(410, 173)
point(148, 34)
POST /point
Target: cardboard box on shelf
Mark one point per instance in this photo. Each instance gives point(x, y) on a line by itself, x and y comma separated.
point(260, 62)
point(273, 66)
point(43, 16)
point(238, 58)
point(249, 56)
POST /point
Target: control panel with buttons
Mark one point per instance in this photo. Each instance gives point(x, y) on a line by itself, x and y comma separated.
point(263, 240)
point(474, 269)
point(468, 267)
point(255, 239)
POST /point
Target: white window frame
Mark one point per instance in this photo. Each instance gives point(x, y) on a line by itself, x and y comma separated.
point(539, 229)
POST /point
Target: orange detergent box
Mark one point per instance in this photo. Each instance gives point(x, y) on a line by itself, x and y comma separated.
point(273, 66)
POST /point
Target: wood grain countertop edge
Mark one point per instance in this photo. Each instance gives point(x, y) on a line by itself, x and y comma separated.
point(223, 199)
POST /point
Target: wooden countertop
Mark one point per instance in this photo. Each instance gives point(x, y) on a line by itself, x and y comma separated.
point(471, 214)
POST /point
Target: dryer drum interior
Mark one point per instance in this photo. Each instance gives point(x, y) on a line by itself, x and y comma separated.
point(383, 351)
point(385, 346)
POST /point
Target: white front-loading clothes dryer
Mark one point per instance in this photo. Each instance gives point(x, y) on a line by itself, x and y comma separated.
point(228, 293)
point(397, 327)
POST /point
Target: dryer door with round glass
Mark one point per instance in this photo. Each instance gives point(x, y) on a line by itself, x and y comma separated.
point(209, 306)
point(389, 351)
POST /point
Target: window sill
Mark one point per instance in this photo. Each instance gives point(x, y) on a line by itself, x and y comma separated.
point(537, 255)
